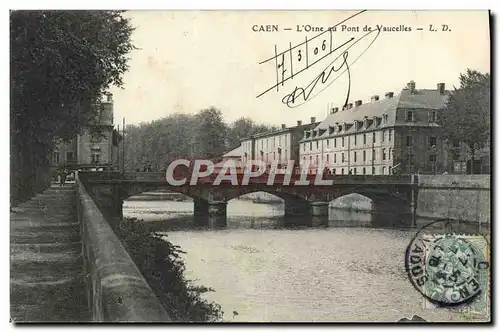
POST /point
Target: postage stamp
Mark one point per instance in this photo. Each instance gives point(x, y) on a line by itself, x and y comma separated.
point(451, 270)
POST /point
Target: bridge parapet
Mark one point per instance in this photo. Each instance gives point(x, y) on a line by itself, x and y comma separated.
point(116, 290)
point(146, 177)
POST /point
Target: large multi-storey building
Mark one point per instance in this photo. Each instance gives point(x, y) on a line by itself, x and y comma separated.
point(95, 147)
point(279, 146)
point(399, 132)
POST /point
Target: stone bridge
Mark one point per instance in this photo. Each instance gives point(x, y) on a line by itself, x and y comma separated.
point(393, 197)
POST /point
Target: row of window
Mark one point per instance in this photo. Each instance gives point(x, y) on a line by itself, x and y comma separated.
point(385, 156)
point(276, 141)
point(266, 156)
point(432, 141)
point(360, 171)
point(342, 140)
point(95, 157)
point(410, 116)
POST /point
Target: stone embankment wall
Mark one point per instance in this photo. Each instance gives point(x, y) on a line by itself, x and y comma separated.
point(116, 290)
point(460, 197)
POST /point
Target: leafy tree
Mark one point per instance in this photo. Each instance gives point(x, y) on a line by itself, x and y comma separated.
point(61, 64)
point(466, 117)
point(209, 134)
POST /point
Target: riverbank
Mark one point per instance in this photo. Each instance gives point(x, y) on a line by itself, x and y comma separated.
point(160, 263)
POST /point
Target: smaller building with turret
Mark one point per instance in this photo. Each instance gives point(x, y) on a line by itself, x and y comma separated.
point(96, 147)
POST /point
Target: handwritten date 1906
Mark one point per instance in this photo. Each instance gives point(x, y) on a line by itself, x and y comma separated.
point(301, 57)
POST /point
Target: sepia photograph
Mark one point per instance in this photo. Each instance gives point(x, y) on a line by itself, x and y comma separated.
point(250, 166)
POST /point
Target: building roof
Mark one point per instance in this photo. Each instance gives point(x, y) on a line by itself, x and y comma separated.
point(419, 99)
point(233, 153)
point(280, 131)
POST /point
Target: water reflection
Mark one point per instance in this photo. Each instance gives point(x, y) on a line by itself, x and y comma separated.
point(347, 268)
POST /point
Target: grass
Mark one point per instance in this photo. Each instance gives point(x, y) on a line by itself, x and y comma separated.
point(163, 268)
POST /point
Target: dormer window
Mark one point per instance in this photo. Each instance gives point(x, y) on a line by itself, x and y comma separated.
point(344, 127)
point(365, 123)
point(279, 150)
point(385, 118)
point(410, 115)
point(375, 121)
point(331, 130)
point(355, 125)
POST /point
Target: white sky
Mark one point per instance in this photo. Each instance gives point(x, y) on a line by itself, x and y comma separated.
point(190, 60)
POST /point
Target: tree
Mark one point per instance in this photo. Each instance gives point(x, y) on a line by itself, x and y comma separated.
point(209, 134)
point(62, 62)
point(466, 116)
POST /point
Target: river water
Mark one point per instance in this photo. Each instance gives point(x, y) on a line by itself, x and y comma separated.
point(344, 271)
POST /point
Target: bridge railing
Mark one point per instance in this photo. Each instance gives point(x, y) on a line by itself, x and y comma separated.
point(116, 289)
point(278, 179)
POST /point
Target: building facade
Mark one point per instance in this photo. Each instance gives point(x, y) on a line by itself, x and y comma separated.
point(275, 147)
point(398, 133)
point(97, 145)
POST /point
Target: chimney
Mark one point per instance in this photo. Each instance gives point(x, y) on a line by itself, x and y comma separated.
point(411, 86)
point(313, 119)
point(358, 103)
point(389, 95)
point(283, 126)
point(441, 88)
point(374, 98)
point(299, 123)
point(349, 106)
point(109, 97)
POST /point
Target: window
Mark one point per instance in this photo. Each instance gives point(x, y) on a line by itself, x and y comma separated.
point(432, 158)
point(327, 142)
point(317, 160)
point(343, 160)
point(383, 170)
point(390, 134)
point(434, 116)
point(364, 138)
point(310, 146)
point(334, 142)
point(342, 171)
point(383, 154)
point(391, 151)
point(409, 141)
point(96, 158)
point(69, 156)
point(355, 171)
point(364, 171)
point(327, 158)
point(374, 154)
point(364, 155)
point(355, 139)
point(373, 170)
point(374, 137)
point(55, 157)
point(304, 147)
point(334, 171)
point(432, 142)
point(274, 155)
point(317, 144)
point(335, 158)
point(383, 135)
point(342, 141)
point(409, 115)
point(355, 155)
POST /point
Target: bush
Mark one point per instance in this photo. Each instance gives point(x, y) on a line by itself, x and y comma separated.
point(161, 265)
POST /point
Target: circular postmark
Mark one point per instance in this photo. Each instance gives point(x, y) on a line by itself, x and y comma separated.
point(447, 269)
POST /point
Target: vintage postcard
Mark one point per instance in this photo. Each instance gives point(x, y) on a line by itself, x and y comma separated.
point(250, 166)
